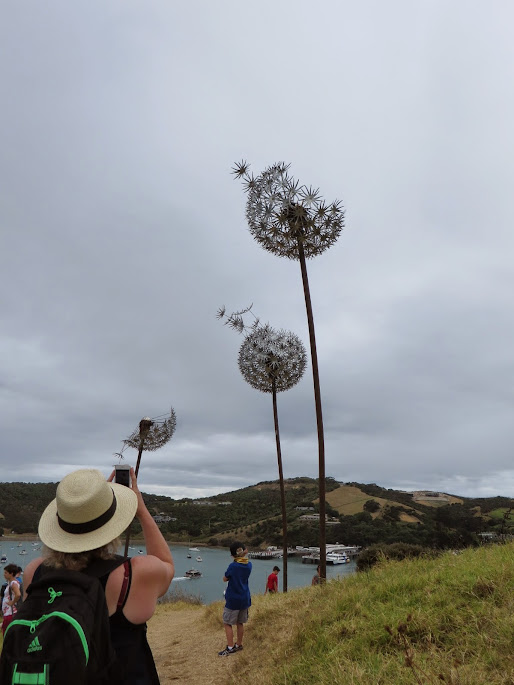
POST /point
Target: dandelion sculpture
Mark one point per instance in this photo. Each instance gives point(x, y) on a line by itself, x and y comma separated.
point(293, 221)
point(150, 435)
point(271, 361)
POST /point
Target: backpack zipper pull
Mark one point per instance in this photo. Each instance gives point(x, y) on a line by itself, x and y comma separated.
point(34, 624)
point(53, 594)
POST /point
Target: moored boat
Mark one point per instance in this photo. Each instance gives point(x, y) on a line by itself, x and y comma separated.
point(335, 558)
point(265, 555)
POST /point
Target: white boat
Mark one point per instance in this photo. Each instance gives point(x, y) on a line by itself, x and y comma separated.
point(194, 549)
point(188, 556)
point(3, 559)
point(336, 558)
point(265, 555)
point(193, 573)
point(23, 551)
point(140, 551)
point(199, 559)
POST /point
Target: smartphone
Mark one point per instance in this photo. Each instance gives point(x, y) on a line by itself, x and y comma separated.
point(122, 474)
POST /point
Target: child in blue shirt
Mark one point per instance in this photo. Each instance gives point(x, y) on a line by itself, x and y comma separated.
point(237, 597)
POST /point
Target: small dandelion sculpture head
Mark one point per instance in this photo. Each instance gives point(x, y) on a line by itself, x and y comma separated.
point(270, 358)
point(282, 214)
point(159, 433)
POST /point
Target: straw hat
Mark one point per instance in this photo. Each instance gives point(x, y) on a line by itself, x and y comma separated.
point(88, 512)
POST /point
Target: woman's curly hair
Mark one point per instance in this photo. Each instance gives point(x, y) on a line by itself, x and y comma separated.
point(76, 561)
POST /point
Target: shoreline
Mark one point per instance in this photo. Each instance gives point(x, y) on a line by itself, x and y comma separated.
point(33, 537)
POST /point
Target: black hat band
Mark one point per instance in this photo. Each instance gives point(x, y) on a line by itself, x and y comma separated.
point(89, 526)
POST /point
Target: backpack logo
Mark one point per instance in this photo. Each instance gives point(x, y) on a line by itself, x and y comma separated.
point(34, 646)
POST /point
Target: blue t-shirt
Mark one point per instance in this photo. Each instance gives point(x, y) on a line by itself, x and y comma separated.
point(237, 595)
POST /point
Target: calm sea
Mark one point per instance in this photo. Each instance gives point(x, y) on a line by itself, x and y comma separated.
point(212, 566)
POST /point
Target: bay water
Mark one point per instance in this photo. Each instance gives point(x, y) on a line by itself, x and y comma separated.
point(214, 562)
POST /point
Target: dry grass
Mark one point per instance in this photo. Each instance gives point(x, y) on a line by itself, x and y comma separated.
point(457, 613)
point(427, 502)
point(348, 500)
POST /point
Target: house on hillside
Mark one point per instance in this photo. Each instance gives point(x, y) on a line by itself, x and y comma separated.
point(315, 517)
point(163, 518)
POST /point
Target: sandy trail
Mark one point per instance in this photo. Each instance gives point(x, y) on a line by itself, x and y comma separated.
point(186, 649)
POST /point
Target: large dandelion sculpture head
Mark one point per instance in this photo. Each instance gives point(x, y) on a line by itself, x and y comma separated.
point(270, 359)
point(154, 433)
point(282, 214)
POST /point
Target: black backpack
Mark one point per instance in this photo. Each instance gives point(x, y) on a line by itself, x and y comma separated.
point(61, 632)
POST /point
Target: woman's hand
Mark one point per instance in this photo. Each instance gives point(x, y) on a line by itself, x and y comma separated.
point(141, 506)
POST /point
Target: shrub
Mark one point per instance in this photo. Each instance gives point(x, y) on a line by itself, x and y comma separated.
point(371, 505)
point(178, 596)
point(397, 551)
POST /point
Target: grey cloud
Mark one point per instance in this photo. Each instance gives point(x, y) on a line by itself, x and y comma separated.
point(123, 232)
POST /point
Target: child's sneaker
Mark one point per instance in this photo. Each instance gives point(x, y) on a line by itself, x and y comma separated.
point(237, 647)
point(228, 650)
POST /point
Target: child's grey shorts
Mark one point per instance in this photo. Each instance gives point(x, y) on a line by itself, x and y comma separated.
point(233, 616)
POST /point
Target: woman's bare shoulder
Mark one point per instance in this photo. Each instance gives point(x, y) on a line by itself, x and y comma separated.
point(148, 564)
point(29, 572)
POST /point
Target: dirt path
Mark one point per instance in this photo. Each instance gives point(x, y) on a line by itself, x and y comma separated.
point(186, 649)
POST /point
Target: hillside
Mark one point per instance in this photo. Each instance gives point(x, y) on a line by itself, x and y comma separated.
point(450, 618)
point(447, 619)
point(360, 514)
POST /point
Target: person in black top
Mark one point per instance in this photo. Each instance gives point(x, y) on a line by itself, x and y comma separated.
point(82, 526)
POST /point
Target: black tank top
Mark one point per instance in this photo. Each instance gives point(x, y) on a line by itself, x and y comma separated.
point(130, 643)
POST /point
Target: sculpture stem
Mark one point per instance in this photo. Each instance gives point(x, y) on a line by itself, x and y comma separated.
point(319, 416)
point(282, 490)
point(141, 445)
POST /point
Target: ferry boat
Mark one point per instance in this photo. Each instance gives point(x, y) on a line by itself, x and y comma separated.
point(335, 558)
point(338, 554)
point(193, 573)
point(268, 554)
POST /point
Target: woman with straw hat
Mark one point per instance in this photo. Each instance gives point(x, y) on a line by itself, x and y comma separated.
point(83, 525)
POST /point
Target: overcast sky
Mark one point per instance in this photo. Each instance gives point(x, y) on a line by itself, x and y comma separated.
point(123, 232)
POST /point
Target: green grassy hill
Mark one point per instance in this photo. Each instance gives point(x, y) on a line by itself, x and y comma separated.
point(448, 619)
point(362, 514)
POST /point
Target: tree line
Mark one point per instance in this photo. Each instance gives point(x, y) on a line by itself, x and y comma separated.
point(255, 514)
